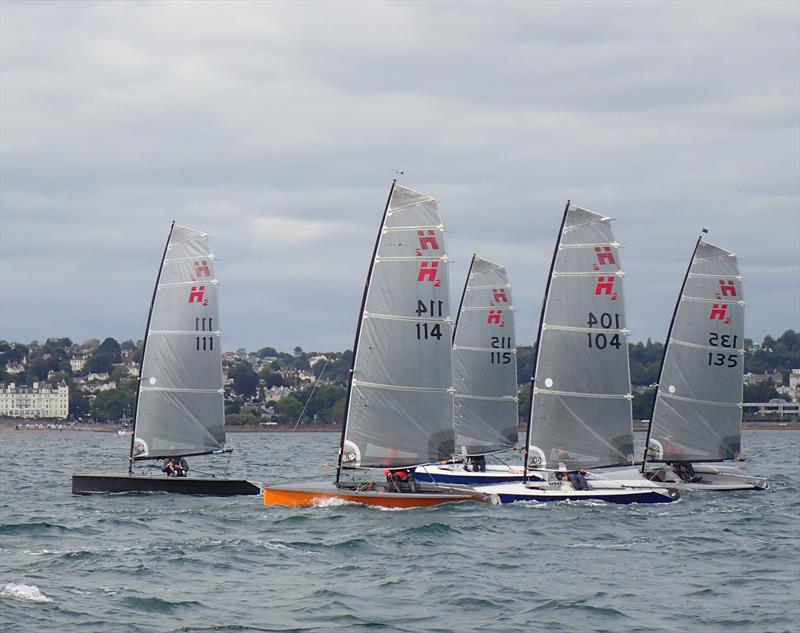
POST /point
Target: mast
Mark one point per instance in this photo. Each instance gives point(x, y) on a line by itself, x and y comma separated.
point(144, 347)
point(463, 294)
point(539, 339)
point(666, 346)
point(358, 333)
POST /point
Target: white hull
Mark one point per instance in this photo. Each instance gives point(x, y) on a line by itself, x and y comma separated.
point(709, 477)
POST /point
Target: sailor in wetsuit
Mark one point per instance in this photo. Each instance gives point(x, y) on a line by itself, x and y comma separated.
point(400, 480)
point(175, 467)
point(578, 479)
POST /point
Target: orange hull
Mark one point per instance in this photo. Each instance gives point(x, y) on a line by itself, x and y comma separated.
point(307, 497)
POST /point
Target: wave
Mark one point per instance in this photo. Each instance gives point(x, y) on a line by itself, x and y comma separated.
point(23, 592)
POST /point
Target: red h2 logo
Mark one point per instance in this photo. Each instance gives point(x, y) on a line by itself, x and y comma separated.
point(197, 295)
point(499, 295)
point(604, 256)
point(201, 268)
point(719, 311)
point(428, 272)
point(494, 318)
point(605, 286)
point(726, 288)
point(427, 240)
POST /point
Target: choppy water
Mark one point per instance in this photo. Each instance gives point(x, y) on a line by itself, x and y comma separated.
point(157, 562)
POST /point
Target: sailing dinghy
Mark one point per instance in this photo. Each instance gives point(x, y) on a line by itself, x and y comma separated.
point(696, 424)
point(179, 402)
point(484, 380)
point(580, 416)
point(399, 409)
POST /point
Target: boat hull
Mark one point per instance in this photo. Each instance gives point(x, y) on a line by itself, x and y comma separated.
point(519, 492)
point(307, 495)
point(92, 484)
point(455, 474)
point(710, 478)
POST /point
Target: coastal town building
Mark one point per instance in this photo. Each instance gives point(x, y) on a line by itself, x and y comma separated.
point(38, 401)
point(794, 385)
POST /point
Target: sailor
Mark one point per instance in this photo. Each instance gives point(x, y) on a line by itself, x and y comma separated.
point(578, 479)
point(175, 467)
point(685, 471)
point(478, 463)
point(400, 480)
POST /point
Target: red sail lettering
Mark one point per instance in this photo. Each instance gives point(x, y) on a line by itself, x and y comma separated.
point(427, 239)
point(604, 255)
point(196, 295)
point(494, 317)
point(727, 287)
point(201, 268)
point(427, 271)
point(500, 295)
point(605, 286)
point(718, 311)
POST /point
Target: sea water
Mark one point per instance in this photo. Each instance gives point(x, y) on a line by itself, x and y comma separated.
point(159, 562)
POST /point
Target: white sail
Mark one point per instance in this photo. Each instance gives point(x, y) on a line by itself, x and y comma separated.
point(180, 401)
point(485, 363)
point(400, 406)
point(581, 402)
point(698, 414)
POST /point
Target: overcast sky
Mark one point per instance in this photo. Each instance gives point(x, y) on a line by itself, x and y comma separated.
point(276, 128)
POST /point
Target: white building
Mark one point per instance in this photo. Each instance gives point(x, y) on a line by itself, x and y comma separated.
point(77, 364)
point(794, 385)
point(38, 401)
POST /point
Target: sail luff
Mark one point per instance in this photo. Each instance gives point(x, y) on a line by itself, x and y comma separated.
point(358, 332)
point(463, 294)
point(539, 338)
point(664, 352)
point(144, 346)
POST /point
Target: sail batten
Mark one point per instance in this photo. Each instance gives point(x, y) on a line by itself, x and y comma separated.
point(485, 363)
point(581, 401)
point(400, 403)
point(697, 409)
point(180, 407)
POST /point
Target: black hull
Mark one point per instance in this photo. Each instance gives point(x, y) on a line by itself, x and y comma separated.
point(89, 484)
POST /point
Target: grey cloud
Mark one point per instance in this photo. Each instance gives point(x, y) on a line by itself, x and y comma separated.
point(276, 128)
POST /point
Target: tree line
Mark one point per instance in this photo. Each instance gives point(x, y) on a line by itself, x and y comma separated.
point(247, 397)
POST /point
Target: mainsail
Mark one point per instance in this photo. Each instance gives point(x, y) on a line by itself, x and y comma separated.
point(485, 363)
point(180, 400)
point(400, 399)
point(697, 414)
point(581, 401)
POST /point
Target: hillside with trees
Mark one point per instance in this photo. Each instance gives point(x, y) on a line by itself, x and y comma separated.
point(307, 387)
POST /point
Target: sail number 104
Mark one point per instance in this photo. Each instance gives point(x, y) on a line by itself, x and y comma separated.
point(606, 321)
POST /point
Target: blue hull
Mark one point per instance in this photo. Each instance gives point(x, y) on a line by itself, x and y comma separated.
point(467, 479)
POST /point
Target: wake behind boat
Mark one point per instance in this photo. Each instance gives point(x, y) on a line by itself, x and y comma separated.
point(580, 416)
point(179, 402)
point(399, 408)
point(697, 414)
